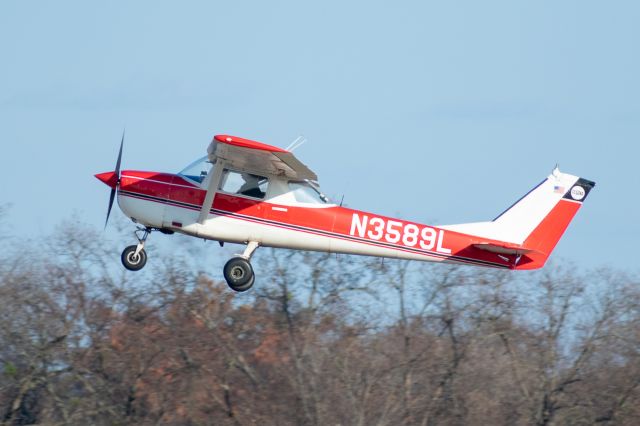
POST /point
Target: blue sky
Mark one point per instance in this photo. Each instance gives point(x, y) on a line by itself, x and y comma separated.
point(440, 112)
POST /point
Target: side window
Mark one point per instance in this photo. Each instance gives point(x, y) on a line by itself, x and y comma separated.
point(246, 184)
point(305, 193)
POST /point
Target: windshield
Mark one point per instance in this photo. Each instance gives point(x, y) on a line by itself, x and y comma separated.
point(305, 192)
point(197, 170)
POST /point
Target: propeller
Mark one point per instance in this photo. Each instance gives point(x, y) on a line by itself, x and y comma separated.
point(114, 188)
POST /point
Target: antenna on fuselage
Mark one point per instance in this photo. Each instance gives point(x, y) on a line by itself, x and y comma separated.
point(296, 143)
point(342, 198)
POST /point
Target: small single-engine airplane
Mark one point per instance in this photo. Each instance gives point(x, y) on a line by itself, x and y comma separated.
point(251, 193)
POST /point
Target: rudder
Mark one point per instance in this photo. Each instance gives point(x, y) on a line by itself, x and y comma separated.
point(544, 238)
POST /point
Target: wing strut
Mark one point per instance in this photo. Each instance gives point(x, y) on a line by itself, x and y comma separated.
point(211, 191)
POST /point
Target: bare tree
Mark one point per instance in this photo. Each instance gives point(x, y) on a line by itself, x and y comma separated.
point(320, 340)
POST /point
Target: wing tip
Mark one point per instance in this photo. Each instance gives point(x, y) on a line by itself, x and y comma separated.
point(247, 143)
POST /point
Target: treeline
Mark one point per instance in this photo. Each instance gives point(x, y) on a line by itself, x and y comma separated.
point(319, 340)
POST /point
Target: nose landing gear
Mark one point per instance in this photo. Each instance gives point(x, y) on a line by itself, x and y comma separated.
point(238, 271)
point(134, 257)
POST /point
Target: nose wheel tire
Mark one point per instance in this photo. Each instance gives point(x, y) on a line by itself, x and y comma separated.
point(132, 261)
point(239, 274)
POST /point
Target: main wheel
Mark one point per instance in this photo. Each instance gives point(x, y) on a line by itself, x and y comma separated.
point(131, 261)
point(239, 274)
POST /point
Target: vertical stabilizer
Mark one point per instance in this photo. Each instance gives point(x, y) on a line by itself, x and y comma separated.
point(537, 220)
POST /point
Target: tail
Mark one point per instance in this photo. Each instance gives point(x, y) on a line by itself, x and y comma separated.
point(533, 225)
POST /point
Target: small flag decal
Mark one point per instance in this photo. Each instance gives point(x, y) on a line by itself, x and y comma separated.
point(558, 189)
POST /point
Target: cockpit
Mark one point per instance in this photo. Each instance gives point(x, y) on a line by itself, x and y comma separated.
point(256, 186)
point(247, 184)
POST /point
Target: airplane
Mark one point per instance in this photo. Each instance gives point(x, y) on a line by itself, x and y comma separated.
point(251, 193)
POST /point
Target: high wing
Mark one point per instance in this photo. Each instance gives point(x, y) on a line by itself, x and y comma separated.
point(253, 157)
point(258, 158)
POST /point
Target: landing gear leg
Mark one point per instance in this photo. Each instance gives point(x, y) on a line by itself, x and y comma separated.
point(134, 257)
point(238, 271)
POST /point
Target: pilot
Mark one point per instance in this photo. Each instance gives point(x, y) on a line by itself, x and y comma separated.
point(251, 186)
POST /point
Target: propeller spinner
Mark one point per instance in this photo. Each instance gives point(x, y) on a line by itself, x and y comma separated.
point(112, 179)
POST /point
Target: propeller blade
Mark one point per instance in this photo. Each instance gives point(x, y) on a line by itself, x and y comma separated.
point(117, 170)
point(115, 189)
point(111, 198)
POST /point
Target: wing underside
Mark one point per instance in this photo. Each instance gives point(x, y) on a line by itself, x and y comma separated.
point(258, 158)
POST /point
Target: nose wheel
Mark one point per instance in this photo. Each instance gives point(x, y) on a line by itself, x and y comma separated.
point(134, 257)
point(133, 261)
point(238, 271)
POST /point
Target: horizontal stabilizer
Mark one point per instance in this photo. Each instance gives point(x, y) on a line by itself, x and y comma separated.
point(505, 248)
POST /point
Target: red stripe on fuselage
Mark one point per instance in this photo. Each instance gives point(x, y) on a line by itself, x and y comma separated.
point(334, 220)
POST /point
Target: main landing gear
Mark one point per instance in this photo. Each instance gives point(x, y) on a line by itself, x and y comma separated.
point(134, 257)
point(238, 271)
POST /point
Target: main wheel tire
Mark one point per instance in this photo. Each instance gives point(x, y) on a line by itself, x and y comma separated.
point(245, 287)
point(239, 274)
point(131, 261)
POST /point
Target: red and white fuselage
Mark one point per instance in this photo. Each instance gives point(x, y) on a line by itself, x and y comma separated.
point(521, 238)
